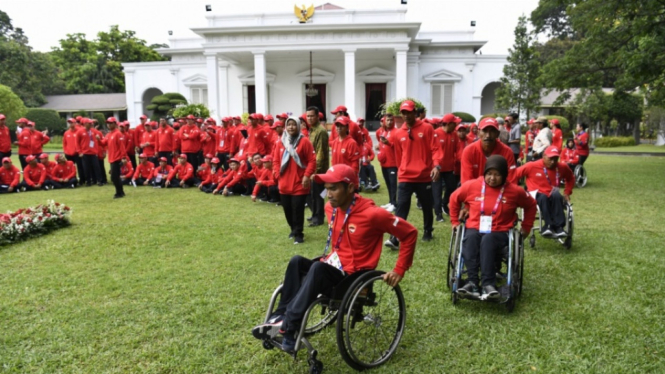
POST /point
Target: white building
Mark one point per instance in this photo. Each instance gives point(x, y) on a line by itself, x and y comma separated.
point(361, 58)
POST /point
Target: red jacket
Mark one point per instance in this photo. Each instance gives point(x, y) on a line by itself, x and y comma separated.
point(66, 171)
point(130, 147)
point(258, 139)
point(416, 154)
point(362, 240)
point(10, 177)
point(38, 141)
point(557, 137)
point(470, 195)
point(127, 170)
point(5, 140)
point(461, 144)
point(473, 160)
point(346, 152)
point(225, 139)
point(115, 142)
point(354, 131)
point(190, 139)
point(34, 175)
point(208, 142)
point(88, 144)
point(537, 180)
point(367, 154)
point(183, 172)
point(144, 170)
point(149, 143)
point(138, 134)
point(232, 178)
point(267, 179)
point(213, 178)
point(290, 182)
point(570, 156)
point(165, 171)
point(49, 169)
point(70, 143)
point(582, 143)
point(529, 137)
point(386, 153)
point(165, 137)
point(447, 148)
point(203, 172)
point(25, 142)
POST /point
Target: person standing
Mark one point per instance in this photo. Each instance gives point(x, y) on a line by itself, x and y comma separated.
point(419, 165)
point(318, 137)
point(448, 144)
point(138, 133)
point(582, 142)
point(24, 140)
point(149, 142)
point(345, 150)
point(295, 163)
point(5, 139)
point(190, 141)
point(557, 134)
point(39, 138)
point(88, 148)
point(115, 143)
point(543, 139)
point(515, 135)
point(386, 156)
point(165, 141)
point(475, 155)
point(70, 147)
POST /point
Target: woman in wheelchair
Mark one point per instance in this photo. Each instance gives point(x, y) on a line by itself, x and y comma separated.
point(490, 203)
point(355, 240)
point(569, 155)
point(544, 176)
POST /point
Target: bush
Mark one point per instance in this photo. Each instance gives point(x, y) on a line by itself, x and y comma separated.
point(494, 115)
point(563, 121)
point(101, 120)
point(393, 107)
point(614, 141)
point(11, 106)
point(466, 117)
point(198, 110)
point(47, 119)
point(164, 105)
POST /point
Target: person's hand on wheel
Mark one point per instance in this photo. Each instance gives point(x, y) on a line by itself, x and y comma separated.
point(392, 278)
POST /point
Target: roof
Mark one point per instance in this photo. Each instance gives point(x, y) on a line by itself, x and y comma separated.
point(328, 6)
point(548, 100)
point(88, 102)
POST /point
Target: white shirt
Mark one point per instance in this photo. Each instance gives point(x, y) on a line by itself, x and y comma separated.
point(543, 140)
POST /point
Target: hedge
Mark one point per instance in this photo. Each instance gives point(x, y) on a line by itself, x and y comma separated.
point(563, 121)
point(614, 141)
point(198, 110)
point(494, 115)
point(47, 119)
point(466, 117)
point(393, 107)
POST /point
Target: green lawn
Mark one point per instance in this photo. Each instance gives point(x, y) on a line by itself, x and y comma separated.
point(173, 281)
point(647, 148)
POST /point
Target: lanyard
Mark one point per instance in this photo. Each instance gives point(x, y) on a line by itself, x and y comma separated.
point(548, 177)
point(341, 232)
point(482, 200)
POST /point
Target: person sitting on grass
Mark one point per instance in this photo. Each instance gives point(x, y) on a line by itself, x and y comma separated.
point(10, 176)
point(213, 177)
point(266, 186)
point(159, 175)
point(64, 173)
point(182, 174)
point(234, 182)
point(143, 171)
point(544, 177)
point(357, 227)
point(34, 175)
point(126, 171)
point(48, 166)
point(490, 202)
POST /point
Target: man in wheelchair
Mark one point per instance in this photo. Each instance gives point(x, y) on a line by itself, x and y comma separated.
point(355, 239)
point(544, 177)
point(490, 203)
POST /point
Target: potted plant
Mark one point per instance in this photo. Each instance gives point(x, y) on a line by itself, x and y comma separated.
point(392, 107)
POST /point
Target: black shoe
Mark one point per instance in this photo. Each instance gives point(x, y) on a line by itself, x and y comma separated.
point(291, 236)
point(315, 223)
point(469, 289)
point(546, 232)
point(427, 236)
point(289, 341)
point(490, 292)
point(439, 218)
point(298, 240)
point(559, 233)
point(118, 196)
point(267, 330)
point(309, 219)
point(392, 243)
point(100, 184)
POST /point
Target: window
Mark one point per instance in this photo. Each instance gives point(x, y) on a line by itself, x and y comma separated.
point(199, 95)
point(442, 99)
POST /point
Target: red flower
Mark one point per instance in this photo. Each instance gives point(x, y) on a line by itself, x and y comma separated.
point(66, 208)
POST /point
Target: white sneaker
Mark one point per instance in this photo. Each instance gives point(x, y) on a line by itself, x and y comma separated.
point(385, 206)
point(391, 208)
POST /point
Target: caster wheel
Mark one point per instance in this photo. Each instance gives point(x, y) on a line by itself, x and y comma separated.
point(532, 241)
point(267, 344)
point(316, 367)
point(454, 297)
point(510, 305)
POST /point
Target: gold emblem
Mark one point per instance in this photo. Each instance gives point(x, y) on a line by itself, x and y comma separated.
point(304, 14)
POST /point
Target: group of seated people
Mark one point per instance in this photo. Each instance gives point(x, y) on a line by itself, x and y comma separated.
point(40, 173)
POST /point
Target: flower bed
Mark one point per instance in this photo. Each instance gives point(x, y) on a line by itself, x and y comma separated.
point(33, 222)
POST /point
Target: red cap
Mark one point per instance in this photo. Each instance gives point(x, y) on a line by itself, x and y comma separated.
point(209, 155)
point(175, 125)
point(508, 118)
point(320, 116)
point(71, 120)
point(6, 159)
point(256, 116)
point(113, 120)
point(435, 121)
point(215, 160)
point(530, 122)
point(554, 121)
point(277, 124)
point(22, 120)
point(282, 115)
point(143, 116)
point(199, 120)
point(29, 158)
point(338, 173)
point(552, 151)
point(226, 119)
point(163, 159)
point(449, 117)
point(143, 155)
point(359, 119)
point(2, 116)
point(488, 122)
point(191, 117)
point(43, 155)
point(267, 159)
point(458, 120)
point(408, 106)
point(269, 117)
point(344, 121)
point(238, 118)
point(182, 155)
point(31, 124)
point(340, 108)
point(461, 127)
point(211, 128)
point(233, 159)
point(303, 117)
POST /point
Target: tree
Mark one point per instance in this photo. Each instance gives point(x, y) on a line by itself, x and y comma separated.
point(163, 105)
point(520, 88)
point(95, 66)
point(11, 105)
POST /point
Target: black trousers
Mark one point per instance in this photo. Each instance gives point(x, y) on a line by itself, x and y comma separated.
point(21, 159)
point(208, 188)
point(132, 159)
point(4, 189)
point(139, 181)
point(390, 176)
point(168, 156)
point(481, 251)
point(92, 171)
point(368, 175)
point(317, 203)
point(102, 169)
point(115, 177)
point(193, 159)
point(304, 280)
point(175, 182)
point(423, 192)
point(78, 161)
point(66, 184)
point(5, 154)
point(223, 160)
point(450, 181)
point(583, 159)
point(31, 188)
point(270, 193)
point(294, 211)
point(551, 209)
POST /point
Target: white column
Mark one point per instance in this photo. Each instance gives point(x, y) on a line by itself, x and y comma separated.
point(350, 81)
point(400, 73)
point(260, 81)
point(129, 96)
point(223, 89)
point(213, 83)
point(413, 74)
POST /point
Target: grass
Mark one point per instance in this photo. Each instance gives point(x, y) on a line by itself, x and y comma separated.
point(173, 281)
point(647, 148)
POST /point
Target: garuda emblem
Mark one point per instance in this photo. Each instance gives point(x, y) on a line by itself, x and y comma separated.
point(304, 14)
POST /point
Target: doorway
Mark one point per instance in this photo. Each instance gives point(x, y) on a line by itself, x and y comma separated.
point(319, 100)
point(375, 96)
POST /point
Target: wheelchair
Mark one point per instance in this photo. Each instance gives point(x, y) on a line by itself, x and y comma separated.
point(510, 269)
point(567, 242)
point(580, 176)
point(368, 314)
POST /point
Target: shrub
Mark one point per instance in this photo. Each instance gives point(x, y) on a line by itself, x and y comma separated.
point(101, 120)
point(198, 110)
point(47, 119)
point(563, 121)
point(11, 106)
point(614, 141)
point(393, 107)
point(466, 117)
point(164, 105)
point(244, 118)
point(494, 115)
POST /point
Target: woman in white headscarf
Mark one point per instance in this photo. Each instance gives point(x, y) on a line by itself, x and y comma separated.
point(294, 162)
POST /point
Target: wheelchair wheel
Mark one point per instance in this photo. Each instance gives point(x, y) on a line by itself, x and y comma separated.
point(580, 176)
point(320, 316)
point(452, 257)
point(568, 243)
point(370, 321)
point(532, 240)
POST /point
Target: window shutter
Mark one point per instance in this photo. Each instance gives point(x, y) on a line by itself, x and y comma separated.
point(437, 101)
point(447, 98)
point(204, 96)
point(196, 97)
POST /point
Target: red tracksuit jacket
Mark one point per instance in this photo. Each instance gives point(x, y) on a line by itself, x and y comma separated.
point(416, 154)
point(208, 142)
point(183, 172)
point(65, 171)
point(69, 143)
point(38, 141)
point(267, 179)
point(473, 160)
point(163, 171)
point(190, 139)
point(231, 179)
point(149, 143)
point(213, 178)
point(49, 169)
point(258, 139)
point(504, 219)
point(165, 137)
point(537, 180)
point(447, 148)
point(84, 138)
point(115, 143)
point(34, 175)
point(386, 155)
point(582, 143)
point(10, 177)
point(570, 156)
point(5, 140)
point(25, 142)
point(144, 170)
point(346, 151)
point(290, 183)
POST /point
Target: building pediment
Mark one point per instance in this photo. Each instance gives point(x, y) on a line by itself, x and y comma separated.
point(318, 76)
point(195, 80)
point(443, 76)
point(248, 78)
point(375, 75)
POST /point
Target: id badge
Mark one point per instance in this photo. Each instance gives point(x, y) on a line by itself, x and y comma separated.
point(158, 178)
point(221, 143)
point(92, 144)
point(333, 260)
point(240, 153)
point(485, 224)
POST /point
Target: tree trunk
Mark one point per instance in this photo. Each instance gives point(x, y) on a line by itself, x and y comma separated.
point(636, 131)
